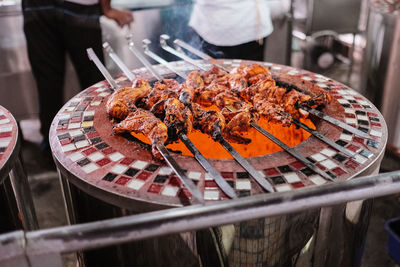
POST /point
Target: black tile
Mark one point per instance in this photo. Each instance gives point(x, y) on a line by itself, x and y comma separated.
point(2, 149)
point(347, 132)
point(374, 119)
point(367, 106)
point(195, 182)
point(285, 168)
point(340, 157)
point(131, 172)
point(88, 118)
point(333, 176)
point(341, 142)
point(243, 193)
point(310, 159)
point(242, 175)
point(89, 129)
point(61, 122)
point(366, 153)
point(307, 171)
point(81, 108)
point(346, 105)
point(83, 162)
point(152, 168)
point(363, 122)
point(79, 138)
point(160, 179)
point(77, 114)
point(365, 130)
point(353, 101)
point(95, 140)
point(101, 146)
point(360, 112)
point(63, 136)
point(373, 143)
point(88, 98)
point(73, 104)
point(109, 177)
point(231, 183)
point(277, 180)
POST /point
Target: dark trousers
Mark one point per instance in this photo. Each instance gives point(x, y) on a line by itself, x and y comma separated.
point(52, 29)
point(251, 51)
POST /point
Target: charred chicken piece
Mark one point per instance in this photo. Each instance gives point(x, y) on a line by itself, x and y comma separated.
point(209, 122)
point(162, 90)
point(194, 82)
point(144, 122)
point(176, 116)
point(123, 101)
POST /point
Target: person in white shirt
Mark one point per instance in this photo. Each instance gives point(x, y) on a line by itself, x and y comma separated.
point(56, 27)
point(231, 28)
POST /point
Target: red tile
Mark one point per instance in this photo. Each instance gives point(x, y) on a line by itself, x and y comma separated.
point(108, 150)
point(320, 166)
point(123, 180)
point(375, 124)
point(357, 106)
point(271, 172)
point(297, 185)
point(351, 164)
point(2, 117)
point(227, 175)
point(75, 119)
point(208, 184)
point(337, 96)
point(297, 165)
point(103, 162)
point(184, 193)
point(155, 188)
point(353, 148)
point(89, 151)
point(66, 141)
point(144, 175)
point(6, 134)
point(91, 135)
point(349, 115)
point(339, 171)
point(371, 114)
point(358, 140)
point(126, 161)
point(358, 97)
point(174, 181)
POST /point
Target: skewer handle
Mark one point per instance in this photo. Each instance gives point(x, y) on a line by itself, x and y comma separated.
point(93, 57)
point(118, 61)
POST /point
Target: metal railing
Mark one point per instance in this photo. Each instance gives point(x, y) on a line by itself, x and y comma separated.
point(44, 247)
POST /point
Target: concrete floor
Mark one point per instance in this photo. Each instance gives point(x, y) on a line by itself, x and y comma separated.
point(50, 209)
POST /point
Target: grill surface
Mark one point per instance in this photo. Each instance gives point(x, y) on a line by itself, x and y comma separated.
point(122, 172)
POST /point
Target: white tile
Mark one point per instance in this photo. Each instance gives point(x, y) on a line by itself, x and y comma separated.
point(165, 171)
point(68, 147)
point(75, 133)
point(4, 143)
point(329, 164)
point(119, 169)
point(139, 164)
point(293, 72)
point(291, 177)
point(135, 184)
point(96, 156)
point(1, 112)
point(90, 167)
point(211, 194)
point(276, 68)
point(350, 110)
point(82, 143)
point(194, 175)
point(342, 101)
point(351, 92)
point(318, 157)
point(104, 94)
point(4, 121)
point(268, 64)
point(318, 180)
point(375, 133)
point(170, 191)
point(322, 85)
point(362, 117)
point(76, 156)
point(237, 61)
point(69, 109)
point(350, 121)
point(88, 113)
point(359, 159)
point(95, 103)
point(116, 156)
point(64, 117)
point(6, 129)
point(306, 78)
point(74, 125)
point(346, 137)
point(208, 177)
point(328, 152)
point(349, 97)
point(363, 102)
point(243, 185)
point(283, 188)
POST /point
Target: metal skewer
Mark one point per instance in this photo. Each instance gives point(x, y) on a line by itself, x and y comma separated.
point(163, 150)
point(146, 43)
point(163, 41)
point(334, 121)
point(118, 61)
point(225, 187)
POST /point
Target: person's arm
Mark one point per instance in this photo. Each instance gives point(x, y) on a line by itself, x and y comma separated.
point(122, 17)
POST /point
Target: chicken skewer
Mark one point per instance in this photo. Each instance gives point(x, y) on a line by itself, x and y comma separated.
point(315, 112)
point(157, 131)
point(225, 187)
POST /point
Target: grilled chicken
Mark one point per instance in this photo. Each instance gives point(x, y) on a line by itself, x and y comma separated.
point(144, 122)
point(162, 90)
point(123, 101)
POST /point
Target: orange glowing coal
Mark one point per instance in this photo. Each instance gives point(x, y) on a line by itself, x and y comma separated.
point(259, 146)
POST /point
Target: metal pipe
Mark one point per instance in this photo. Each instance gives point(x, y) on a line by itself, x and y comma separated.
point(177, 220)
point(118, 61)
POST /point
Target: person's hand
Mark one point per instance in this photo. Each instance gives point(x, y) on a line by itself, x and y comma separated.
point(121, 17)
